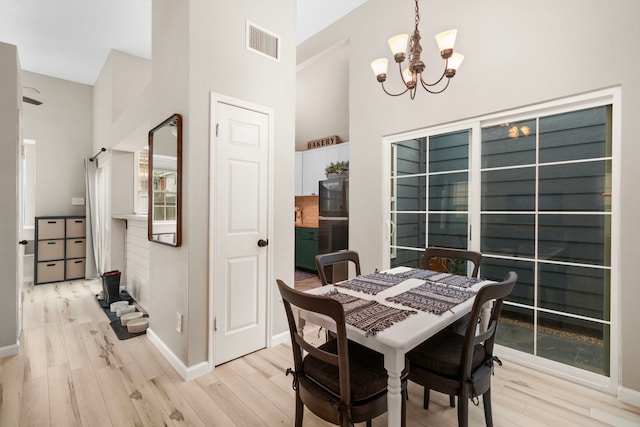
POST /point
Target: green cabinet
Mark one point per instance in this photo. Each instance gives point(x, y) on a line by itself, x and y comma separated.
point(306, 247)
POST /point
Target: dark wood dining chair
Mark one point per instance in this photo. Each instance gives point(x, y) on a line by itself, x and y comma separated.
point(438, 259)
point(447, 255)
point(325, 260)
point(462, 366)
point(340, 381)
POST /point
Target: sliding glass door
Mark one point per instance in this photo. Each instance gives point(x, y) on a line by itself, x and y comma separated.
point(541, 195)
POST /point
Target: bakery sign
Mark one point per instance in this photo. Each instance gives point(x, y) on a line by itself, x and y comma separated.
point(323, 142)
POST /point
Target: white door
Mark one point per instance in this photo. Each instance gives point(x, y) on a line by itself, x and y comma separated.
point(240, 203)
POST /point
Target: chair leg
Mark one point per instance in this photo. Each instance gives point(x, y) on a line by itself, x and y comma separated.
point(425, 399)
point(463, 409)
point(452, 401)
point(299, 411)
point(368, 423)
point(486, 401)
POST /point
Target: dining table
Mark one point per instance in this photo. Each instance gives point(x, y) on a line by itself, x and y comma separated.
point(393, 311)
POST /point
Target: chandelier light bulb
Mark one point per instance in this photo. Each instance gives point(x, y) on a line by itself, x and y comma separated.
point(455, 61)
point(446, 41)
point(379, 67)
point(398, 45)
point(409, 77)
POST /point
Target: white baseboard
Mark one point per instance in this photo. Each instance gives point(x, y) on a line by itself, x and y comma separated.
point(9, 350)
point(186, 372)
point(281, 338)
point(627, 395)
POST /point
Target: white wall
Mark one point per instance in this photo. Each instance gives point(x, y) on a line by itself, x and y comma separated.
point(200, 50)
point(514, 56)
point(322, 96)
point(63, 130)
point(10, 105)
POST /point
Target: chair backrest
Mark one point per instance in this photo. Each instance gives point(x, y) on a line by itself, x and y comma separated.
point(330, 308)
point(452, 254)
point(495, 292)
point(325, 260)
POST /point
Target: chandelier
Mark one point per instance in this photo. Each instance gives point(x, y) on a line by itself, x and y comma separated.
point(412, 75)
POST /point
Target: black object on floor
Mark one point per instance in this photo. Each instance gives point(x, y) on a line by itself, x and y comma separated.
point(111, 285)
point(121, 331)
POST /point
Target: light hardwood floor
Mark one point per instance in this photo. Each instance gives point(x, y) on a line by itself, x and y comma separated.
point(73, 371)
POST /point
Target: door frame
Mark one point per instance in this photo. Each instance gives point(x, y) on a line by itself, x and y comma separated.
point(215, 100)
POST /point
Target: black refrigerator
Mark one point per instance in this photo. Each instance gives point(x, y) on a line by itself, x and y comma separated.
point(333, 224)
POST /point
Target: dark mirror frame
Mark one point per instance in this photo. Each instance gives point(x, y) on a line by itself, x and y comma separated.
point(177, 118)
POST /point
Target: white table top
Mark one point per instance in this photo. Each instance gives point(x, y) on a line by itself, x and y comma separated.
point(407, 333)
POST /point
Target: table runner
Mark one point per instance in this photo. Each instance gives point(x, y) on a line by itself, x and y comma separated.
point(433, 297)
point(436, 276)
point(372, 283)
point(370, 316)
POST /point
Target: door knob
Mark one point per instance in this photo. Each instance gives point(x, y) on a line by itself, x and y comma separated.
point(262, 243)
point(23, 242)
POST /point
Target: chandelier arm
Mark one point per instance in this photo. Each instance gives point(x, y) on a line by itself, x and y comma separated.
point(425, 84)
point(402, 75)
point(436, 91)
point(393, 94)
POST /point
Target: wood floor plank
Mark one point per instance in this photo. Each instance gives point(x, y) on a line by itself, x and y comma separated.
point(207, 409)
point(91, 402)
point(143, 397)
point(11, 386)
point(34, 346)
point(34, 410)
point(243, 381)
point(76, 350)
point(64, 410)
point(234, 407)
point(55, 345)
point(144, 358)
point(174, 404)
point(119, 403)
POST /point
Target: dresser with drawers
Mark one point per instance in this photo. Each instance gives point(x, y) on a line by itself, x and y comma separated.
point(60, 248)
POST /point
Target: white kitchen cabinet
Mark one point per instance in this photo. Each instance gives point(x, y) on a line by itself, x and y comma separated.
point(298, 173)
point(312, 164)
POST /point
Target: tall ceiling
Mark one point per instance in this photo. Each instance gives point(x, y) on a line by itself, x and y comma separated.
point(71, 39)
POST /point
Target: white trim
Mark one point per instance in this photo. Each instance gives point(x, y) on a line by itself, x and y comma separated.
point(556, 369)
point(9, 350)
point(281, 338)
point(186, 372)
point(629, 396)
point(215, 99)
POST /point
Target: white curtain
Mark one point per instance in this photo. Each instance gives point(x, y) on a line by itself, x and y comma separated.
point(97, 174)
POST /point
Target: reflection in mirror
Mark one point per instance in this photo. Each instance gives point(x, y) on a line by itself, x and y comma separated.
point(165, 164)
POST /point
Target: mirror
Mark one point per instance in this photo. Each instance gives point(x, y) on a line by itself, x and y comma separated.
point(165, 167)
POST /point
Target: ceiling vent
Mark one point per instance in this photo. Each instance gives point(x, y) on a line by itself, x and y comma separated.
point(263, 42)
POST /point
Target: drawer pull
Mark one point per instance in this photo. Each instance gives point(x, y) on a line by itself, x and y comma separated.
point(51, 265)
point(78, 262)
point(78, 241)
point(52, 222)
point(51, 243)
point(78, 221)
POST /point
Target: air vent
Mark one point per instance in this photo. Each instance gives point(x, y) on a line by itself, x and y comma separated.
point(263, 42)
